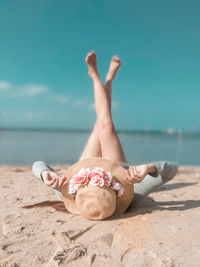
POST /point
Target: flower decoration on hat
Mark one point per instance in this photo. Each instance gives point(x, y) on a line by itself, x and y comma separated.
point(95, 176)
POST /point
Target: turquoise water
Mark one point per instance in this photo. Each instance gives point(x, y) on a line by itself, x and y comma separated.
point(62, 147)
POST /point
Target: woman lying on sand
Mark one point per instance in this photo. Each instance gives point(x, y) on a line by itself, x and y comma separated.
point(101, 183)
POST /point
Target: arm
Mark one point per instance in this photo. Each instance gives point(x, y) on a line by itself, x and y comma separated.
point(136, 174)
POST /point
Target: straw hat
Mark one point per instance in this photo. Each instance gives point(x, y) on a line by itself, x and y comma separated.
point(95, 202)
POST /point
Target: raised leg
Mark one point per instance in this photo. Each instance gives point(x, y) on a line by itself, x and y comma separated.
point(115, 64)
point(93, 146)
point(110, 144)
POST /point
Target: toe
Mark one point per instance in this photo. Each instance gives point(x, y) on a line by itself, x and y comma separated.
point(90, 57)
point(116, 58)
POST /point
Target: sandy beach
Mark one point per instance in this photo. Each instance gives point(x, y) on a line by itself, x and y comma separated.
point(36, 230)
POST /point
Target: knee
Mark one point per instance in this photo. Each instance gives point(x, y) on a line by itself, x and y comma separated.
point(169, 170)
point(37, 168)
point(105, 125)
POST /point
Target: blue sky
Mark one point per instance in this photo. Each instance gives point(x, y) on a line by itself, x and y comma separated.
point(43, 75)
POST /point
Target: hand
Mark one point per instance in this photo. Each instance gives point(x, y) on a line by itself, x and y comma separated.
point(136, 174)
point(53, 179)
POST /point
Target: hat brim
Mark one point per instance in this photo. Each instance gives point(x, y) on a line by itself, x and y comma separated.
point(117, 171)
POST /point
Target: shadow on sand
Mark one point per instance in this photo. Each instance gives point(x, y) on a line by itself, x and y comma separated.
point(57, 205)
point(167, 187)
point(149, 205)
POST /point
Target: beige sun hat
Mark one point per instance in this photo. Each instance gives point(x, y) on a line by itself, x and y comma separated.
point(95, 202)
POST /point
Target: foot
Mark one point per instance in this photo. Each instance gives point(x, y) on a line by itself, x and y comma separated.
point(114, 66)
point(91, 60)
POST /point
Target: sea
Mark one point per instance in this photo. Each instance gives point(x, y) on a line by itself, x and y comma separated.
point(64, 147)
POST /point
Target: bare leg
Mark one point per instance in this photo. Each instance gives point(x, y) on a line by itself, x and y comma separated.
point(110, 144)
point(114, 66)
point(93, 146)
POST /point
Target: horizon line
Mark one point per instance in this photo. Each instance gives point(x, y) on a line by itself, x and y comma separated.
point(127, 131)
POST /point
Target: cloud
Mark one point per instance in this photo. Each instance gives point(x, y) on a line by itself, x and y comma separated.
point(80, 102)
point(58, 98)
point(26, 90)
point(5, 86)
point(31, 90)
point(34, 89)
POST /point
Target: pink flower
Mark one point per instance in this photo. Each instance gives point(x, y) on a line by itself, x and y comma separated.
point(120, 191)
point(107, 178)
point(72, 188)
point(114, 185)
point(83, 172)
point(97, 180)
point(96, 169)
point(96, 172)
point(96, 176)
point(118, 187)
point(80, 180)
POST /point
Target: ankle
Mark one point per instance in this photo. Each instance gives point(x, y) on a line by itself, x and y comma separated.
point(108, 82)
point(109, 78)
point(95, 75)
